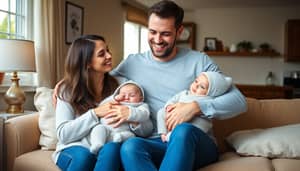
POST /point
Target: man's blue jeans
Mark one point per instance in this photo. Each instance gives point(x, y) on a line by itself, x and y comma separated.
point(78, 158)
point(189, 148)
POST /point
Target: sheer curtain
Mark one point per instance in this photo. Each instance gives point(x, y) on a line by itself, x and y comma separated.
point(49, 40)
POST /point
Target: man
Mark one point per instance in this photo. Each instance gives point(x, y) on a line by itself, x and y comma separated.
point(163, 72)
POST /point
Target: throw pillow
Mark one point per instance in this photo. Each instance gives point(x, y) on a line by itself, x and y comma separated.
point(276, 142)
point(43, 103)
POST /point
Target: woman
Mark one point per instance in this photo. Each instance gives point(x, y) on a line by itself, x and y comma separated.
point(85, 84)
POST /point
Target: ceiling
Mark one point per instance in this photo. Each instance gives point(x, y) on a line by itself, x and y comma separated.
point(190, 5)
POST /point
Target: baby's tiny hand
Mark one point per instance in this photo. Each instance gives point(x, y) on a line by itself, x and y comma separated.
point(119, 98)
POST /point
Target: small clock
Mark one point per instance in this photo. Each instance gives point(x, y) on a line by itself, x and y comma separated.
point(185, 35)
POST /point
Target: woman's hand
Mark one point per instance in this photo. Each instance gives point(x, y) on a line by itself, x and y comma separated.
point(179, 113)
point(117, 115)
point(113, 112)
point(103, 109)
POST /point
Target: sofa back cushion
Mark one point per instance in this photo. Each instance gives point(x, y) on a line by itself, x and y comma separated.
point(43, 103)
point(260, 114)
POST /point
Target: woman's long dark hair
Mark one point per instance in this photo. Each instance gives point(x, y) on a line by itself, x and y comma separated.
point(75, 87)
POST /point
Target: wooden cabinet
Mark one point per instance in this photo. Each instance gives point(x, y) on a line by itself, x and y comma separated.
point(265, 92)
point(187, 38)
point(292, 41)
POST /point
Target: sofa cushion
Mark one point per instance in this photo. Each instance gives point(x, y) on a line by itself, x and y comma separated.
point(43, 103)
point(276, 142)
point(286, 164)
point(233, 162)
point(38, 160)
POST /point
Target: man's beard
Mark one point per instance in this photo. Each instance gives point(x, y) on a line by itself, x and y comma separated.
point(167, 52)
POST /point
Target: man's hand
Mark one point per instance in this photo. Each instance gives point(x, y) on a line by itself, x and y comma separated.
point(181, 112)
point(55, 93)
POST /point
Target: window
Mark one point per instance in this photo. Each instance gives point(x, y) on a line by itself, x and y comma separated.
point(135, 30)
point(16, 23)
point(135, 38)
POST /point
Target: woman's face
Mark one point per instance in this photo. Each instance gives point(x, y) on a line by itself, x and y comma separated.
point(102, 59)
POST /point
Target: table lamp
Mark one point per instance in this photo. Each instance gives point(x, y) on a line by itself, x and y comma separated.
point(16, 55)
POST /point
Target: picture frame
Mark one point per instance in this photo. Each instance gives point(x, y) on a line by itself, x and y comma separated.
point(211, 43)
point(73, 22)
point(187, 37)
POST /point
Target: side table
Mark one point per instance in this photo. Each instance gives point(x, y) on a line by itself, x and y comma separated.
point(3, 117)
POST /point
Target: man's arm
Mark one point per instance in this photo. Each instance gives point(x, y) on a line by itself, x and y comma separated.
point(228, 105)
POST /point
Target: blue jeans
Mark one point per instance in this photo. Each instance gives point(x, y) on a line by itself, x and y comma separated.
point(189, 148)
point(78, 158)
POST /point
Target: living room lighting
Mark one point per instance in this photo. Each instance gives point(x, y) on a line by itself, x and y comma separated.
point(16, 55)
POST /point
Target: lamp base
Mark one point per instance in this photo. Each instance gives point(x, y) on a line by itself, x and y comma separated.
point(15, 109)
point(15, 97)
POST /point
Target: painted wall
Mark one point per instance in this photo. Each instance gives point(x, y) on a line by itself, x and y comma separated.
point(258, 25)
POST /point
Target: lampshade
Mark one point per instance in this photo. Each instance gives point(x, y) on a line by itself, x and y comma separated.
point(16, 55)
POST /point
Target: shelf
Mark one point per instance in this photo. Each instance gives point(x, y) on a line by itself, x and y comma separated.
point(267, 54)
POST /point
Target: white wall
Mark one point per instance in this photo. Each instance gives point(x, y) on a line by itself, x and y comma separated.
point(258, 25)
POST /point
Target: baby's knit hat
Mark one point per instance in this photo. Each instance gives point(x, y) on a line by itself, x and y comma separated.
point(129, 82)
point(218, 83)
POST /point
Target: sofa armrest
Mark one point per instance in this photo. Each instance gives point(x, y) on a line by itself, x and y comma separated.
point(21, 135)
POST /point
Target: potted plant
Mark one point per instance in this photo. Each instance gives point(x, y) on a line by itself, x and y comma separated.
point(265, 47)
point(244, 46)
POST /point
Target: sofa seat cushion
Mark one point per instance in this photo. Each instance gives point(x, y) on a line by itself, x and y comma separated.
point(38, 160)
point(286, 164)
point(230, 161)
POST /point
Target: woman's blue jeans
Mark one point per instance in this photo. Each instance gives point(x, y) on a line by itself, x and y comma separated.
point(189, 148)
point(78, 158)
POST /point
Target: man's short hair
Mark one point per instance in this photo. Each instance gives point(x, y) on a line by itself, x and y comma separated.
point(167, 9)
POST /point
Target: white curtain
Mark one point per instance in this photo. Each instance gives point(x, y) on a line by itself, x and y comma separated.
point(49, 41)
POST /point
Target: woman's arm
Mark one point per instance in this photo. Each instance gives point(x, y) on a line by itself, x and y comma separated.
point(71, 128)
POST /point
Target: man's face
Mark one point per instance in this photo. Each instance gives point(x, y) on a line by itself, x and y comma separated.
point(162, 36)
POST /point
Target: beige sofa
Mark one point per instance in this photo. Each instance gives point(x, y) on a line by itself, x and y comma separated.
point(24, 154)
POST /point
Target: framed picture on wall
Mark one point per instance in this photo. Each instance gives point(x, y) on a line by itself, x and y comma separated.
point(187, 37)
point(73, 22)
point(211, 43)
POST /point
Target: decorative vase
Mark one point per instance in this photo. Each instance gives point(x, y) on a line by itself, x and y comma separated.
point(233, 48)
point(270, 78)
